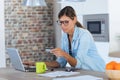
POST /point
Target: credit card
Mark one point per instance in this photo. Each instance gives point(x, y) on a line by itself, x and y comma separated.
point(48, 50)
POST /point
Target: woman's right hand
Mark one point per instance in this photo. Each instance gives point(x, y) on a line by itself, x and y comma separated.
point(58, 52)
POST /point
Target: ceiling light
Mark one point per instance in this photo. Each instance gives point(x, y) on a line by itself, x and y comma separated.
point(73, 0)
point(34, 3)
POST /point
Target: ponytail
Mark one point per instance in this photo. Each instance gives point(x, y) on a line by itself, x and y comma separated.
point(78, 24)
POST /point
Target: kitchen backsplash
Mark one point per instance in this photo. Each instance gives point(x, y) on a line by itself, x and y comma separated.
point(30, 30)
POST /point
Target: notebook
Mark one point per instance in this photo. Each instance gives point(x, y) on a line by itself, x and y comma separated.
point(17, 62)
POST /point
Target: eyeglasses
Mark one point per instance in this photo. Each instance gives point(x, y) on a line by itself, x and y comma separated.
point(66, 22)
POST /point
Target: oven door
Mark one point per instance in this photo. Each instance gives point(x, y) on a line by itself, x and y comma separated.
point(94, 27)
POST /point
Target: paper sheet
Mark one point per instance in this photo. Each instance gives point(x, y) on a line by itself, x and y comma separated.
point(84, 77)
point(3, 79)
point(58, 74)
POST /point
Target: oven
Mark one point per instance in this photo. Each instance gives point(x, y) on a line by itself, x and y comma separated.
point(98, 25)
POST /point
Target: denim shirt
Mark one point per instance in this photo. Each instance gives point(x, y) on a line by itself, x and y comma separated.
point(83, 50)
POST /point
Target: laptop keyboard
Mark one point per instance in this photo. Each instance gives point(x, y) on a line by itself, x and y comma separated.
point(29, 69)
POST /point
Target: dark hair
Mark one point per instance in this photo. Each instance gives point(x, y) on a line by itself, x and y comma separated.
point(69, 12)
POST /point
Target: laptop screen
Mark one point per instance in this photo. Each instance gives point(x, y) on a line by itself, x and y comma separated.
point(15, 59)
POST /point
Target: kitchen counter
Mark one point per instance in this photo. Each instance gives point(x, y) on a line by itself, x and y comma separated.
point(11, 74)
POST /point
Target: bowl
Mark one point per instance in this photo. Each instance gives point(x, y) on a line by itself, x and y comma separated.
point(113, 74)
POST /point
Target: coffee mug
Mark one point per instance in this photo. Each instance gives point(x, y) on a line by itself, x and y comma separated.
point(40, 67)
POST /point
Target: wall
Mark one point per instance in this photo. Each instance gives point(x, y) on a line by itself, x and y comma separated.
point(114, 49)
point(96, 7)
point(114, 25)
point(29, 29)
point(2, 36)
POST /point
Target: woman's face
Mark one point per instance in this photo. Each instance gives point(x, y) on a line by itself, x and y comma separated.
point(67, 24)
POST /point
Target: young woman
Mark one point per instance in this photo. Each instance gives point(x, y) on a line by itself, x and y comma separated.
point(77, 46)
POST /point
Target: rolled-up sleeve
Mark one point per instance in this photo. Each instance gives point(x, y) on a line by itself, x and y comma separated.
point(79, 63)
point(62, 61)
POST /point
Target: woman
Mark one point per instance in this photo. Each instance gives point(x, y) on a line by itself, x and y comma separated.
point(78, 47)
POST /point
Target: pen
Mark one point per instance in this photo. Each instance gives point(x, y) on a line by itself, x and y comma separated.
point(52, 69)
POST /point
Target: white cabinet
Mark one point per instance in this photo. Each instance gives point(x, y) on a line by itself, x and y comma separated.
point(114, 13)
point(2, 36)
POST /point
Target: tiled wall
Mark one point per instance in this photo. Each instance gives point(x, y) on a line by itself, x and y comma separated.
point(29, 29)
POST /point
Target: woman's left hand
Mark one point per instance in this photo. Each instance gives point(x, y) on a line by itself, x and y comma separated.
point(58, 52)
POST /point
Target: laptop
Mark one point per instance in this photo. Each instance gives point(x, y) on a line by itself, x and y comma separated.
point(17, 62)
